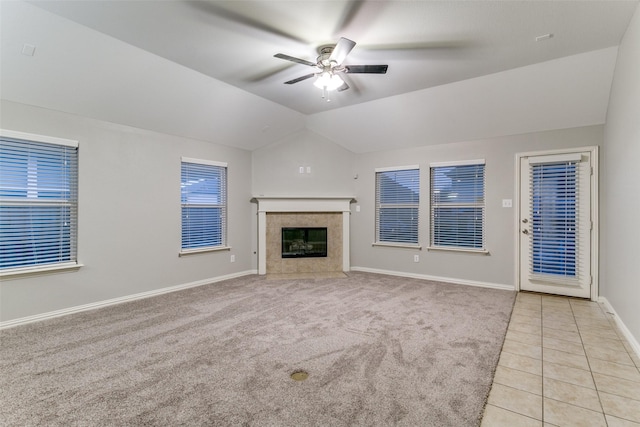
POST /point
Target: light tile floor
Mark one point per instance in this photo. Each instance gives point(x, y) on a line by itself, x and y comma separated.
point(564, 363)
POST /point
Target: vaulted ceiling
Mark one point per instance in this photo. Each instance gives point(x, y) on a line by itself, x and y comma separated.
point(426, 44)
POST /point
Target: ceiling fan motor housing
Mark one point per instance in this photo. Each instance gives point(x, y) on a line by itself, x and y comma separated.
point(323, 59)
point(330, 62)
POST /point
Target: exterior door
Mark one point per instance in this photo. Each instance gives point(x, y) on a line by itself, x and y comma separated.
point(556, 224)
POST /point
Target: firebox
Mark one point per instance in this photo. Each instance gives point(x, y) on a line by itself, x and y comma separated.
point(304, 242)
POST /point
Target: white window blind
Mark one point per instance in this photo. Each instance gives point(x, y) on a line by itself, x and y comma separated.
point(203, 193)
point(397, 202)
point(38, 203)
point(457, 205)
point(554, 219)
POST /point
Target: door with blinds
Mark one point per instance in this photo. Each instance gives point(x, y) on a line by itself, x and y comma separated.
point(556, 224)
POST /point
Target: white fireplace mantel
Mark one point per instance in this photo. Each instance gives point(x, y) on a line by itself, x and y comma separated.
point(301, 204)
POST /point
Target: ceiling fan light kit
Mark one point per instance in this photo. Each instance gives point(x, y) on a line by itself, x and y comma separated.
point(329, 81)
point(330, 65)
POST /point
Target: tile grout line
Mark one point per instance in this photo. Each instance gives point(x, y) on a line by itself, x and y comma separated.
point(542, 359)
point(579, 316)
point(604, 416)
point(541, 372)
point(625, 343)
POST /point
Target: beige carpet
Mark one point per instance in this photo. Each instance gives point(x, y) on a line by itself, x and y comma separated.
point(379, 350)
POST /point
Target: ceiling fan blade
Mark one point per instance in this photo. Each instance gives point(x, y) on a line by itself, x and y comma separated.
point(358, 13)
point(299, 79)
point(293, 59)
point(348, 15)
point(425, 45)
point(350, 84)
point(368, 69)
point(342, 49)
point(266, 74)
point(446, 49)
point(224, 14)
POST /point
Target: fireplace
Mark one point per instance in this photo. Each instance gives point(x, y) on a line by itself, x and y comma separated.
point(276, 213)
point(304, 242)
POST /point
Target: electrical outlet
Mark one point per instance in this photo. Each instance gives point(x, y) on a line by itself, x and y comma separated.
point(507, 203)
point(416, 258)
point(233, 258)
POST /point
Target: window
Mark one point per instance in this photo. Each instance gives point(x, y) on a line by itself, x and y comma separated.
point(397, 201)
point(457, 205)
point(554, 219)
point(38, 201)
point(203, 195)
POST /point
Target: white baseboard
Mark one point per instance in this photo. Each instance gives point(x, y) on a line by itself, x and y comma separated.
point(436, 278)
point(120, 300)
point(633, 342)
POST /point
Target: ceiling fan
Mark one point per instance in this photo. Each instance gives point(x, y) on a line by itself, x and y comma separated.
point(329, 64)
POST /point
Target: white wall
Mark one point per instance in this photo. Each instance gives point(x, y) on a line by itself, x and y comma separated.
point(129, 214)
point(276, 168)
point(276, 171)
point(497, 268)
point(620, 282)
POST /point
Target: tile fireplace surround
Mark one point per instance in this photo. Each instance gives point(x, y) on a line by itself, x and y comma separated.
point(277, 212)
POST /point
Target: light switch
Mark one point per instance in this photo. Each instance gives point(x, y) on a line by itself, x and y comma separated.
point(507, 203)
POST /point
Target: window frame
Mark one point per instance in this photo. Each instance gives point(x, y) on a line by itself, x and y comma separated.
point(433, 206)
point(223, 205)
point(411, 204)
point(72, 203)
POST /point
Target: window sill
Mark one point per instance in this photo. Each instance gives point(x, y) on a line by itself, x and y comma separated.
point(186, 252)
point(464, 250)
point(15, 273)
point(398, 245)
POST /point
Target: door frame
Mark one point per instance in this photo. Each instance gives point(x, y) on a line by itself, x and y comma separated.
point(595, 203)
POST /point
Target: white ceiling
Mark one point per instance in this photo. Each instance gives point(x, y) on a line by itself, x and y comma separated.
point(425, 43)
